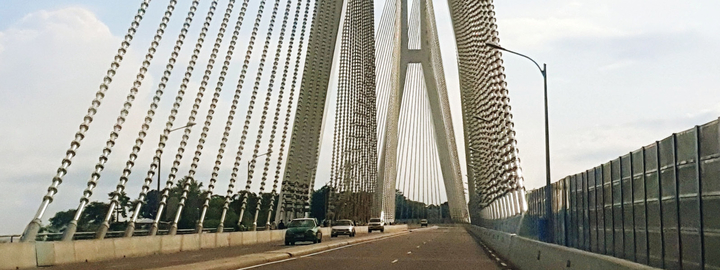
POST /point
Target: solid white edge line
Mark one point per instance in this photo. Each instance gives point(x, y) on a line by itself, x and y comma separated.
point(320, 252)
point(267, 263)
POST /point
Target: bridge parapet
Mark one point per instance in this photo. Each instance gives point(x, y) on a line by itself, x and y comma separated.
point(27, 255)
point(526, 253)
point(30, 255)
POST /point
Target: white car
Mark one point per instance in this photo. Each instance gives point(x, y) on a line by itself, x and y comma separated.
point(344, 227)
point(376, 224)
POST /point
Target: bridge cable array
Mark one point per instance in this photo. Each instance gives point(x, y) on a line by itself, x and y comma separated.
point(494, 173)
point(354, 158)
point(142, 134)
point(34, 226)
point(69, 232)
point(366, 67)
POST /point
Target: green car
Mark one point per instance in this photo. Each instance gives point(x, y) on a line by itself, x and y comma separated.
point(303, 229)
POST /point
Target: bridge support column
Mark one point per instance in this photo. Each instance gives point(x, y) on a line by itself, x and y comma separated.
point(102, 231)
point(70, 231)
point(198, 227)
point(429, 57)
point(130, 230)
point(31, 231)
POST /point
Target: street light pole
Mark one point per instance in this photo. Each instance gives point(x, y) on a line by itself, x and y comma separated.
point(189, 124)
point(548, 185)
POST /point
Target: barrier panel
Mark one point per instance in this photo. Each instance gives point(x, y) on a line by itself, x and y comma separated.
point(264, 237)
point(655, 205)
point(17, 255)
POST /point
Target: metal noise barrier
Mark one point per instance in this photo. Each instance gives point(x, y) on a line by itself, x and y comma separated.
point(655, 205)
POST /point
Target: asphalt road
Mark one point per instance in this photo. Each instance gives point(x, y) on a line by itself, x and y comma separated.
point(182, 258)
point(162, 260)
point(434, 248)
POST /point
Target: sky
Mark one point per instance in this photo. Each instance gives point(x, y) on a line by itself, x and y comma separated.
point(621, 75)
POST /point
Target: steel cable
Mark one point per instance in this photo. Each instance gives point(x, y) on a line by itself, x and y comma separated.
point(34, 226)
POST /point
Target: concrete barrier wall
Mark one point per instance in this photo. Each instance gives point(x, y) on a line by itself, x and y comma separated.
point(526, 253)
point(29, 255)
point(396, 228)
point(17, 255)
point(264, 237)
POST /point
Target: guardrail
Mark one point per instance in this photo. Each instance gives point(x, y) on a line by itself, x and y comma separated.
point(49, 237)
point(10, 236)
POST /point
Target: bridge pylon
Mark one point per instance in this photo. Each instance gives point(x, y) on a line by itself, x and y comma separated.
point(427, 54)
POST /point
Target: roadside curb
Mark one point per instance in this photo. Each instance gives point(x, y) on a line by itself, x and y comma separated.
point(277, 255)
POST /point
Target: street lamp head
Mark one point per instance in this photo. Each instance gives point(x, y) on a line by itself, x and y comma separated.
point(189, 124)
point(494, 46)
point(482, 119)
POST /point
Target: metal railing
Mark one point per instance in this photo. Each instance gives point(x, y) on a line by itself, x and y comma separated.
point(12, 238)
point(48, 237)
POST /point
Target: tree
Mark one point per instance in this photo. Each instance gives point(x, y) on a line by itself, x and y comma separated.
point(61, 219)
point(319, 203)
point(93, 216)
point(248, 216)
point(191, 211)
point(150, 204)
point(90, 220)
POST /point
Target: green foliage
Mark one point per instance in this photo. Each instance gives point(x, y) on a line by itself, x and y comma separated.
point(61, 220)
point(409, 209)
point(95, 212)
point(212, 218)
point(318, 204)
point(91, 218)
point(150, 204)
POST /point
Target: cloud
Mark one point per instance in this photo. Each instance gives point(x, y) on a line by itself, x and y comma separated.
point(49, 63)
point(603, 142)
point(531, 32)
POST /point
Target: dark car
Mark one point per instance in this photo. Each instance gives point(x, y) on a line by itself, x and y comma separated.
point(303, 229)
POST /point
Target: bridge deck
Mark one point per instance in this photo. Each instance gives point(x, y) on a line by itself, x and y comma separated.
point(434, 248)
point(441, 248)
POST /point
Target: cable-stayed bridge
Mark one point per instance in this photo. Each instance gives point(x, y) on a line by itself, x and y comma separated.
point(316, 67)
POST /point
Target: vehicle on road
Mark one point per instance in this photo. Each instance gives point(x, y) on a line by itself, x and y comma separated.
point(423, 223)
point(376, 224)
point(303, 229)
point(344, 227)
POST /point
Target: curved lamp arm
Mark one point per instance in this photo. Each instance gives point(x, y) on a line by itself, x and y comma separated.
point(495, 46)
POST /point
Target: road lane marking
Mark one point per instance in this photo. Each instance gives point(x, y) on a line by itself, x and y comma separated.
point(320, 252)
point(394, 261)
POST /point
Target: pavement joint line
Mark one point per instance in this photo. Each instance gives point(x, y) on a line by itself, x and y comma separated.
point(358, 242)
